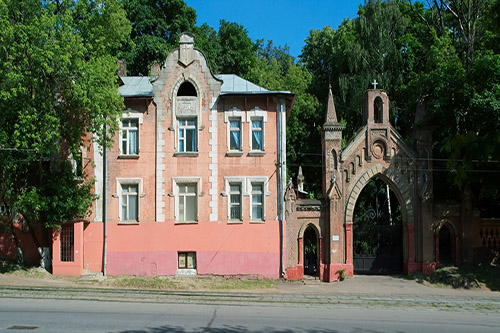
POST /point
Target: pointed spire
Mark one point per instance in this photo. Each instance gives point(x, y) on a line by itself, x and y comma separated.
point(421, 111)
point(300, 180)
point(331, 114)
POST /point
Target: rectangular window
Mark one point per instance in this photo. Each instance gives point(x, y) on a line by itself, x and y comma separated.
point(130, 136)
point(67, 243)
point(257, 202)
point(188, 203)
point(187, 260)
point(257, 134)
point(130, 202)
point(235, 134)
point(235, 201)
point(187, 135)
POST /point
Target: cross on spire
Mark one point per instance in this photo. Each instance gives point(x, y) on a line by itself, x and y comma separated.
point(374, 84)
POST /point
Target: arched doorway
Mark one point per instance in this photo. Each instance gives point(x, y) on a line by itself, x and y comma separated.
point(446, 246)
point(311, 250)
point(377, 230)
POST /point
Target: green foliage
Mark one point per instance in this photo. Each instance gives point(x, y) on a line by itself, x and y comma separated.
point(276, 70)
point(57, 89)
point(342, 275)
point(237, 50)
point(156, 26)
point(206, 41)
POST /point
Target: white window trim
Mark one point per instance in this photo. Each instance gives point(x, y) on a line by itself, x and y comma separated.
point(175, 118)
point(140, 194)
point(175, 190)
point(264, 181)
point(233, 180)
point(253, 114)
point(177, 137)
point(234, 113)
point(131, 114)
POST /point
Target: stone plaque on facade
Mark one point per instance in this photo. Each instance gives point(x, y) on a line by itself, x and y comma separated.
point(186, 49)
point(186, 107)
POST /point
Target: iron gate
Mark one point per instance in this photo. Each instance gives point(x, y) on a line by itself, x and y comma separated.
point(377, 233)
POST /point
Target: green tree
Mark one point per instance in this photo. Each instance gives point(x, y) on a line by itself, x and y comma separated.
point(459, 80)
point(58, 90)
point(156, 26)
point(277, 70)
point(237, 51)
point(206, 41)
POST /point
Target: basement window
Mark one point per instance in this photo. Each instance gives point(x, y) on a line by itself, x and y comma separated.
point(187, 260)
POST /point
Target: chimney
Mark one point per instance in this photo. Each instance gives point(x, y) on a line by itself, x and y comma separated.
point(122, 67)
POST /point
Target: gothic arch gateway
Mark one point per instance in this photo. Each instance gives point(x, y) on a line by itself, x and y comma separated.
point(376, 151)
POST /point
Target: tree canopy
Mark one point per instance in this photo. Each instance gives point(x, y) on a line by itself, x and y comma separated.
point(57, 88)
point(156, 26)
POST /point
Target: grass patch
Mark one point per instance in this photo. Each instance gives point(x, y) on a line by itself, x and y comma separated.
point(188, 283)
point(142, 283)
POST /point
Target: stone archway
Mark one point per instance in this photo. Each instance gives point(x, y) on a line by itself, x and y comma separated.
point(446, 244)
point(377, 230)
point(401, 188)
point(311, 251)
point(310, 244)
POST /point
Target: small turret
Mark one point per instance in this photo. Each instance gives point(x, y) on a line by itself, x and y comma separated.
point(300, 180)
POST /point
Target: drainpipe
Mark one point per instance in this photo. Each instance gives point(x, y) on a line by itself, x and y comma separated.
point(104, 200)
point(281, 177)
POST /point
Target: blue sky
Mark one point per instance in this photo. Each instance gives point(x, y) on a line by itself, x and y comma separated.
point(282, 21)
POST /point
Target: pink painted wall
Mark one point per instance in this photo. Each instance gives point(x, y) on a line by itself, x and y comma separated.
point(93, 247)
point(74, 268)
point(151, 248)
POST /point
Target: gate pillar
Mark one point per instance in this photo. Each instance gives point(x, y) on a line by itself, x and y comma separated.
point(321, 265)
point(301, 249)
point(410, 266)
point(348, 242)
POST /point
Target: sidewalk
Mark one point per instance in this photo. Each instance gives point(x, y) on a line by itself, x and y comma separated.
point(360, 290)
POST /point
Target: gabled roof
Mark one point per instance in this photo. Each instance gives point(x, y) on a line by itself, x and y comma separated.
point(136, 86)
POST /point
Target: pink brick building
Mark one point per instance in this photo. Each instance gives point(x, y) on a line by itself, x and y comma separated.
point(193, 181)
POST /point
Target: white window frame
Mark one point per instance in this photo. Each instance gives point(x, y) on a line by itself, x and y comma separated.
point(187, 271)
point(238, 204)
point(175, 190)
point(129, 181)
point(195, 131)
point(234, 114)
point(257, 114)
point(227, 189)
point(186, 254)
point(131, 114)
point(265, 193)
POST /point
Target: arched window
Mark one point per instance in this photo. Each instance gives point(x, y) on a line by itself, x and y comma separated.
point(187, 89)
point(187, 109)
point(334, 160)
point(378, 106)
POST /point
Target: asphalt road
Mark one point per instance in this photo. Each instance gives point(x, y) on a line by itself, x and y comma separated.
point(59, 315)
